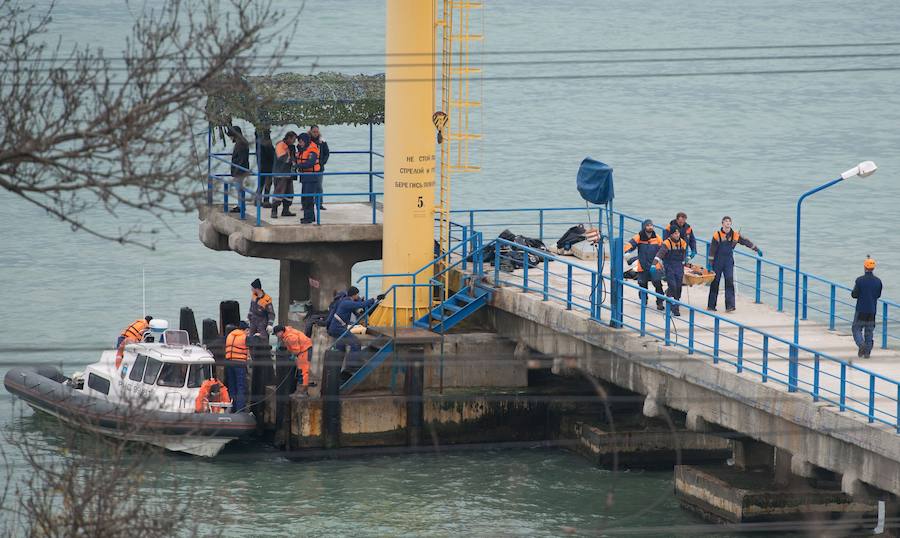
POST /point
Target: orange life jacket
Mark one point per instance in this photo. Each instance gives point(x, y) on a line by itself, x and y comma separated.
point(297, 343)
point(264, 301)
point(203, 397)
point(136, 330)
point(312, 147)
point(236, 345)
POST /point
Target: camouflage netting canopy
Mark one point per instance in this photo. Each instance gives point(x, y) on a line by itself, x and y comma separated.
point(302, 100)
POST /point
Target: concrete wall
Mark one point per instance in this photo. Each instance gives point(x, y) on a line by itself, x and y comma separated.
point(813, 433)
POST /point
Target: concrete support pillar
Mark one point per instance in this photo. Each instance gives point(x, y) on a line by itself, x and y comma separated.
point(750, 454)
point(851, 485)
point(783, 460)
point(696, 423)
point(293, 285)
point(652, 408)
point(802, 468)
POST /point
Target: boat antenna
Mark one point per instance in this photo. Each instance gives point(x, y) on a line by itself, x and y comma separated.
point(143, 293)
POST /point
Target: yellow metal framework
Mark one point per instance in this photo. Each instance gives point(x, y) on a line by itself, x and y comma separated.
point(460, 82)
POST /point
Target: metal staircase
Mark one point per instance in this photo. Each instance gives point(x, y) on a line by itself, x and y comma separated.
point(450, 313)
point(385, 350)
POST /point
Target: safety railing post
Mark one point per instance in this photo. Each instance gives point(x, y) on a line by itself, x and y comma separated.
point(259, 187)
point(414, 304)
point(831, 304)
point(871, 398)
point(740, 350)
point(541, 225)
point(525, 270)
point(209, 179)
point(497, 263)
point(706, 256)
point(569, 287)
point(765, 359)
point(793, 366)
point(374, 212)
point(716, 341)
point(593, 296)
point(816, 370)
point(471, 221)
point(242, 202)
point(226, 185)
point(465, 249)
point(366, 292)
point(781, 289)
point(805, 294)
point(758, 281)
point(371, 178)
point(546, 278)
point(843, 388)
point(668, 323)
point(884, 325)
point(691, 316)
point(898, 408)
point(615, 271)
point(643, 295)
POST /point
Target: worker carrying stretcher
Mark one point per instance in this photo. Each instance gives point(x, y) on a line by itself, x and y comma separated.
point(647, 244)
point(672, 254)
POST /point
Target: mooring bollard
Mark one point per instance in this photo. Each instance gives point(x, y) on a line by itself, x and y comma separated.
point(331, 403)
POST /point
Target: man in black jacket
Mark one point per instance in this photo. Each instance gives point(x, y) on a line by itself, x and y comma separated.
point(316, 136)
point(240, 162)
point(265, 158)
point(866, 291)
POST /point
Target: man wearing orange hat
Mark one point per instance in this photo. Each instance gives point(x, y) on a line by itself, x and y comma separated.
point(866, 291)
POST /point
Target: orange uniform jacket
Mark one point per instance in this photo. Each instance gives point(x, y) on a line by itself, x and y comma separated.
point(298, 344)
point(203, 396)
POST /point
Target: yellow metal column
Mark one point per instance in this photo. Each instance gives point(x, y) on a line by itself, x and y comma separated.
point(409, 158)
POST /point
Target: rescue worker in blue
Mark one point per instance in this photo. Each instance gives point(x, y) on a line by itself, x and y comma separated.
point(687, 233)
point(261, 313)
point(866, 291)
point(308, 164)
point(672, 255)
point(340, 320)
point(647, 244)
point(721, 261)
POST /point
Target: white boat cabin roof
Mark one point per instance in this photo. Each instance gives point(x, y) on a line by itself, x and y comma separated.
point(175, 347)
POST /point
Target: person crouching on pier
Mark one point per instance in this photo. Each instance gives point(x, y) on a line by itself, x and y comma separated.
point(672, 254)
point(298, 345)
point(285, 157)
point(721, 261)
point(339, 327)
point(866, 291)
point(647, 244)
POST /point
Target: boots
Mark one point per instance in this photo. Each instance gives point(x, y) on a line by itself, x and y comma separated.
point(286, 212)
point(275, 211)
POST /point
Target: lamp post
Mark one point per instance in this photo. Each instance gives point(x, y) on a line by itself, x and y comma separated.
point(863, 169)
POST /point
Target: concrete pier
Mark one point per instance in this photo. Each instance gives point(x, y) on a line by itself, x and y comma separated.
point(315, 259)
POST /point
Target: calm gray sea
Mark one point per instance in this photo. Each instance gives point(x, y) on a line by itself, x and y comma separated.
point(743, 145)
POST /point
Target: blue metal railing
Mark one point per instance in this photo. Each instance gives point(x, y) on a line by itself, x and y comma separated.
point(746, 348)
point(771, 282)
point(257, 195)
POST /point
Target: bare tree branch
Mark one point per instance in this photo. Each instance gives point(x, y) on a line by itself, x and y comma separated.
point(77, 134)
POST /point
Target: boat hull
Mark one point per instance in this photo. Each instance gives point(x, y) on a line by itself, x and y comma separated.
point(200, 434)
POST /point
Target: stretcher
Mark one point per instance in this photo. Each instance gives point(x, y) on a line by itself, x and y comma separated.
point(695, 275)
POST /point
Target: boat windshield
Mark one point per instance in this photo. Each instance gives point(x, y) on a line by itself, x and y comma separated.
point(176, 338)
point(198, 374)
point(172, 375)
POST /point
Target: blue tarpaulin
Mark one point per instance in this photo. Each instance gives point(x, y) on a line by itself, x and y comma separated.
point(595, 181)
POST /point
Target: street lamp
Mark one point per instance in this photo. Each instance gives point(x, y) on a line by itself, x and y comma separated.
point(863, 169)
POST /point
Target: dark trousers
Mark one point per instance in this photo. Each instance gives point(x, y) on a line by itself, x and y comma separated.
point(346, 339)
point(236, 380)
point(674, 280)
point(643, 280)
point(725, 269)
point(283, 185)
point(864, 334)
point(311, 185)
point(264, 187)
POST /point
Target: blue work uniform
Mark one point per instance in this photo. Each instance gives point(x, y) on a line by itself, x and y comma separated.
point(647, 245)
point(340, 322)
point(687, 234)
point(721, 258)
point(673, 253)
point(866, 291)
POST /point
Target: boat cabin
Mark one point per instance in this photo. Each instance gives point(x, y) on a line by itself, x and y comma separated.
point(164, 372)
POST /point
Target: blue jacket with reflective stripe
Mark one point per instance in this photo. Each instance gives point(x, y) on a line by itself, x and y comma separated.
point(866, 291)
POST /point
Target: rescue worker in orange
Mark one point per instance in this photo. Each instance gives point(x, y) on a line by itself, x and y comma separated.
point(261, 313)
point(721, 260)
point(211, 391)
point(132, 334)
point(285, 157)
point(308, 164)
point(298, 344)
point(647, 244)
point(672, 255)
point(237, 352)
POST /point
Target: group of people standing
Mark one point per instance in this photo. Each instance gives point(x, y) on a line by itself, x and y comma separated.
point(665, 257)
point(295, 156)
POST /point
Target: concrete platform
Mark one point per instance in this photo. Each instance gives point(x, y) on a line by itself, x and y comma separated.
point(730, 495)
